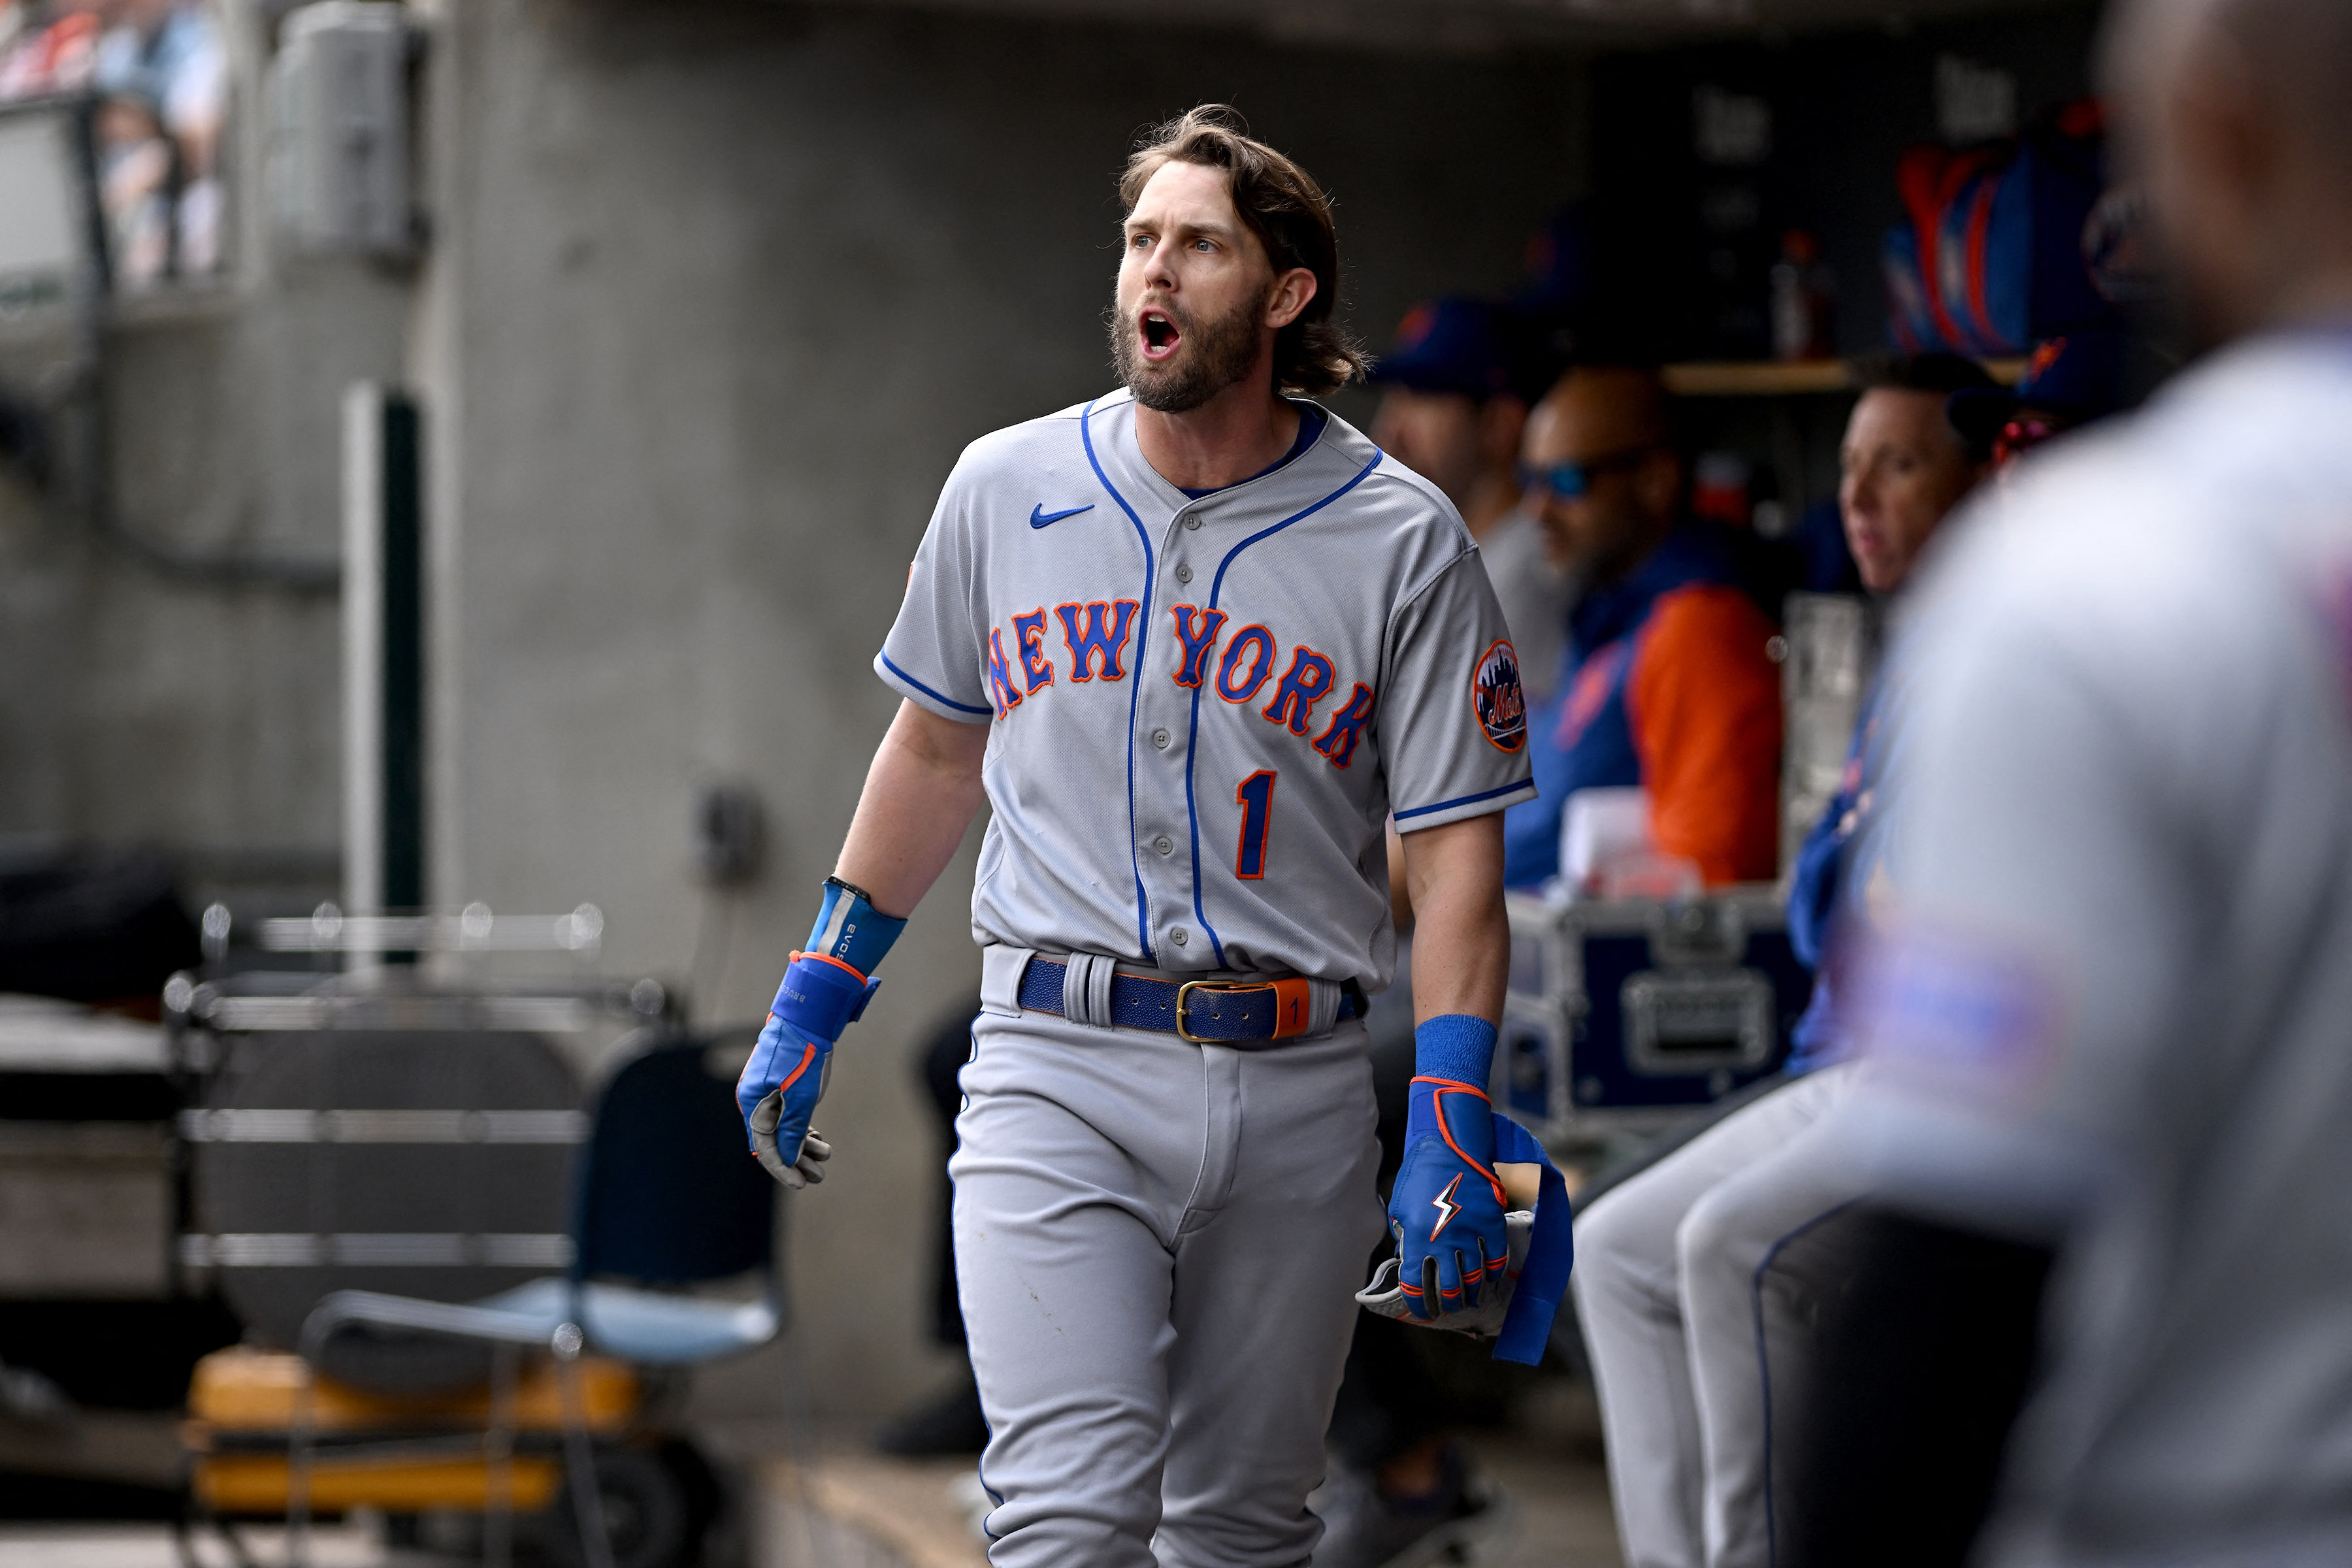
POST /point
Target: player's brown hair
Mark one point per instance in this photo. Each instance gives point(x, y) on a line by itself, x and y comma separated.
point(1291, 216)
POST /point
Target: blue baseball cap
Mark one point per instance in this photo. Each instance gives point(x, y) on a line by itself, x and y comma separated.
point(1447, 344)
point(1475, 348)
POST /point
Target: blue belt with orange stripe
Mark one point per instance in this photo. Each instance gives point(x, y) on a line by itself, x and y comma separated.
point(1206, 1012)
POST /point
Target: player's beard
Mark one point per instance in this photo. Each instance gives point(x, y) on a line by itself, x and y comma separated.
point(1212, 355)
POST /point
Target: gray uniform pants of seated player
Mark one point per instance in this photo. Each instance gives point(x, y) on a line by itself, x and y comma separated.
point(1692, 1287)
point(1157, 1246)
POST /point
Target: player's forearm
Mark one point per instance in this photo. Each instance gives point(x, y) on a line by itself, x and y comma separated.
point(919, 796)
point(1462, 941)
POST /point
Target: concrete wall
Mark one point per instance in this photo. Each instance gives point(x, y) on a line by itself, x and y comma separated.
point(717, 294)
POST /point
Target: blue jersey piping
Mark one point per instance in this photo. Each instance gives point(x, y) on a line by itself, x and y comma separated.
point(892, 666)
point(1193, 736)
point(1465, 799)
point(1135, 686)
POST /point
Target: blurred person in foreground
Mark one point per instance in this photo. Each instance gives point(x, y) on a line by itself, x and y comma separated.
point(2098, 1313)
point(1665, 684)
point(1457, 386)
point(1683, 1332)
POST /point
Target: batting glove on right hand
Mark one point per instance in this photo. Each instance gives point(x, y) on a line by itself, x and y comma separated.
point(790, 1067)
point(1446, 1207)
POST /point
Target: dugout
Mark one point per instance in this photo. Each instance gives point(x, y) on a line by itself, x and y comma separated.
point(695, 322)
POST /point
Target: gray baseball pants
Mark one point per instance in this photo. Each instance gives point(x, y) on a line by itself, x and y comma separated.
point(1696, 1328)
point(1157, 1249)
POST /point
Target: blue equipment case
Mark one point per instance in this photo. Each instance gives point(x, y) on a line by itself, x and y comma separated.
point(1624, 1015)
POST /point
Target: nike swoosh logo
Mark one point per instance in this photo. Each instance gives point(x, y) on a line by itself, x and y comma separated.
point(1039, 517)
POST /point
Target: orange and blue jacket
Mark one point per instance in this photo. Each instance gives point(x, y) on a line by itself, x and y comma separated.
point(1665, 685)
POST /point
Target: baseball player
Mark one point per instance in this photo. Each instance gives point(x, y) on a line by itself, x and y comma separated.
point(2109, 1024)
point(1194, 642)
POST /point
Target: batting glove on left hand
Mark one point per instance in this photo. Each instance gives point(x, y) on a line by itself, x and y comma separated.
point(778, 1091)
point(1446, 1205)
point(789, 1068)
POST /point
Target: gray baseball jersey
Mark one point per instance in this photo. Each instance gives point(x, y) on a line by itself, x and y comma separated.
point(2115, 1010)
point(1204, 709)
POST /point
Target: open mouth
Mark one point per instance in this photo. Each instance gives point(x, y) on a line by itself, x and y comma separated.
point(1159, 334)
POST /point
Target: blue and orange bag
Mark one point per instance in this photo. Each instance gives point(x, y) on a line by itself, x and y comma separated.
point(1990, 259)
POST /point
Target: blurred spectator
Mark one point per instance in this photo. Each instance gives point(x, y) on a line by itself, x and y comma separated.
point(1458, 383)
point(164, 72)
point(1665, 685)
point(1685, 1331)
point(2096, 1313)
point(161, 69)
point(134, 187)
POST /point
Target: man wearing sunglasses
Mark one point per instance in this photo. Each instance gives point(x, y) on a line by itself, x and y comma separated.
point(1665, 684)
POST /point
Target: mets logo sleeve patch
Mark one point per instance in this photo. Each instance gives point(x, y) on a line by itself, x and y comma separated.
point(1460, 749)
point(1495, 696)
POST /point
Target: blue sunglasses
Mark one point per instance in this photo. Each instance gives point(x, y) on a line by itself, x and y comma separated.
point(1571, 480)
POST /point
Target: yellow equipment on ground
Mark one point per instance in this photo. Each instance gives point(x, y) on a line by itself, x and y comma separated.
point(373, 1450)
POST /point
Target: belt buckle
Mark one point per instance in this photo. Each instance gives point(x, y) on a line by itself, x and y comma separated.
point(1183, 994)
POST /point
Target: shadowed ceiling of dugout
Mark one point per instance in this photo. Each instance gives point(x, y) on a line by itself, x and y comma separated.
point(1472, 25)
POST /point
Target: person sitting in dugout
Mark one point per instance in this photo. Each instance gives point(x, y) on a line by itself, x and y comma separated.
point(1686, 1326)
point(1664, 683)
point(1456, 387)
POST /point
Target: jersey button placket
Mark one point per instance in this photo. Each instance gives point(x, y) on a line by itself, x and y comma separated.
point(1160, 722)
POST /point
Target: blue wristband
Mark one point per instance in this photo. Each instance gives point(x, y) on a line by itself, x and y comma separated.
point(1458, 1046)
point(851, 930)
point(822, 995)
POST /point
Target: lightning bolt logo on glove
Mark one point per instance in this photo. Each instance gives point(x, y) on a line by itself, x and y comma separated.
point(1520, 1296)
point(1446, 1207)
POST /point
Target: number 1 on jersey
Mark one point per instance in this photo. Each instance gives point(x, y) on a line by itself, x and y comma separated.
point(1255, 797)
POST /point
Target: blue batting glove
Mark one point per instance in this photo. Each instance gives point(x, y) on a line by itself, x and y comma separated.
point(1446, 1205)
point(789, 1068)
